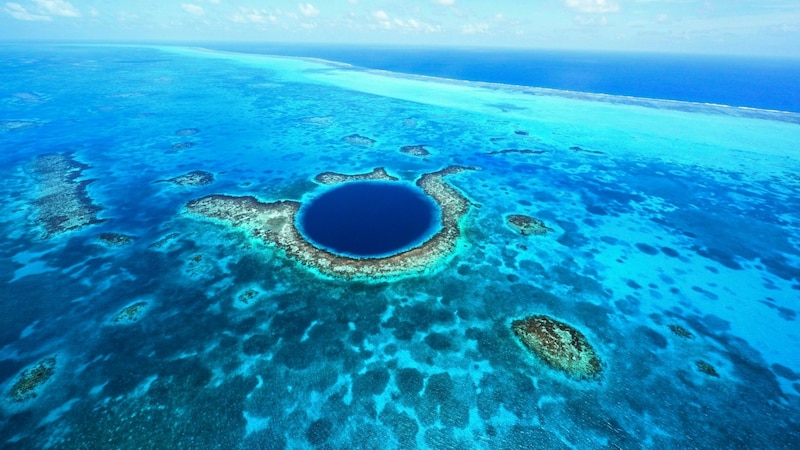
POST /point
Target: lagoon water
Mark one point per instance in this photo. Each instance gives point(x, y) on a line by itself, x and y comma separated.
point(130, 322)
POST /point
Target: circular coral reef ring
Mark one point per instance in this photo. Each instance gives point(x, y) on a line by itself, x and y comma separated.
point(275, 223)
point(560, 345)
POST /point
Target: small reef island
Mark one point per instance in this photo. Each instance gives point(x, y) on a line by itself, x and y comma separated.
point(276, 223)
point(560, 345)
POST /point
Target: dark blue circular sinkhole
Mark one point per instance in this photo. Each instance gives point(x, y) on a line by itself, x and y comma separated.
point(369, 219)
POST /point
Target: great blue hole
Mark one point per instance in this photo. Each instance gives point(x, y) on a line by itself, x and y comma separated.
point(369, 219)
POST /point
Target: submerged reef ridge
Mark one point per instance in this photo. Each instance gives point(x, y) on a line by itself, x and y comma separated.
point(560, 346)
point(275, 224)
point(62, 203)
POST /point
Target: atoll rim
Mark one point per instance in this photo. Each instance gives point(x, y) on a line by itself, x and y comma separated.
point(276, 224)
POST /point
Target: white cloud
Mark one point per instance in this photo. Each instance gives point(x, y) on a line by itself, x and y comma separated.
point(308, 9)
point(195, 10)
point(19, 12)
point(475, 28)
point(592, 6)
point(380, 15)
point(248, 15)
point(591, 20)
point(445, 2)
point(57, 8)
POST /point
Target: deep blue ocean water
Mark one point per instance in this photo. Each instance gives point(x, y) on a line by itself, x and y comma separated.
point(755, 82)
point(369, 219)
point(671, 246)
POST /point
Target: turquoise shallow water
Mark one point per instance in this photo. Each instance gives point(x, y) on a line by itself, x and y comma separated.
point(674, 250)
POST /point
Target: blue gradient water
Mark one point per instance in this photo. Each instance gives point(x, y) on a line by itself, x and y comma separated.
point(369, 219)
point(756, 82)
point(673, 250)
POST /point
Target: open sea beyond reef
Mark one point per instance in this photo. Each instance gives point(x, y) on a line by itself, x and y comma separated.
point(608, 259)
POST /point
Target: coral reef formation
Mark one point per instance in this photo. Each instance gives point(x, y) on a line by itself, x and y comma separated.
point(415, 150)
point(31, 379)
point(526, 225)
point(359, 141)
point(706, 368)
point(378, 173)
point(578, 149)
point(62, 202)
point(130, 313)
point(114, 239)
point(248, 295)
point(275, 224)
point(17, 125)
point(524, 151)
point(679, 331)
point(193, 178)
point(187, 131)
point(182, 145)
point(560, 346)
point(324, 121)
point(163, 241)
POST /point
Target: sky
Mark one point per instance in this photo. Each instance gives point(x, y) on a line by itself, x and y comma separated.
point(750, 27)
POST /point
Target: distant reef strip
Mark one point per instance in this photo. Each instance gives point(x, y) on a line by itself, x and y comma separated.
point(275, 224)
point(62, 203)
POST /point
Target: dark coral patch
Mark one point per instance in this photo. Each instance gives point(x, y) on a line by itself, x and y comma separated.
point(409, 381)
point(597, 210)
point(527, 225)
point(672, 253)
point(560, 345)
point(319, 431)
point(650, 250)
point(31, 379)
point(438, 341)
